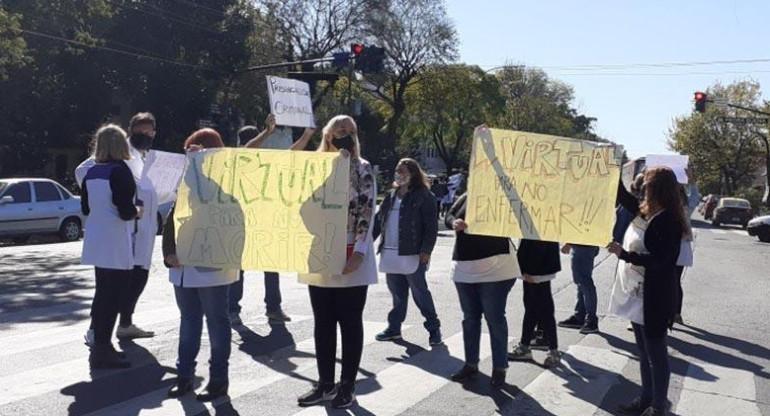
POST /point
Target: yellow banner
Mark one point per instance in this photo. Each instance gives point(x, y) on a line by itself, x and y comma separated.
point(269, 210)
point(541, 187)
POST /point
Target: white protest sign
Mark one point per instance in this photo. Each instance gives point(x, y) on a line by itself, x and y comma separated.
point(677, 163)
point(290, 101)
point(165, 171)
point(627, 173)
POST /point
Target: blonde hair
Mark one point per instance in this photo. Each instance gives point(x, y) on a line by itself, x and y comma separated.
point(334, 124)
point(111, 144)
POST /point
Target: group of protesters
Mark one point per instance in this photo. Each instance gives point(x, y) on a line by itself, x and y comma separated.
point(652, 239)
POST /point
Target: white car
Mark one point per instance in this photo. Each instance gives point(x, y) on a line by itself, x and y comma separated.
point(760, 227)
point(31, 206)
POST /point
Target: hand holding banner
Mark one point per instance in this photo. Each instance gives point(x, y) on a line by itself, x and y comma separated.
point(542, 187)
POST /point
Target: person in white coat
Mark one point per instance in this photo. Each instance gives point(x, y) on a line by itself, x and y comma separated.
point(340, 298)
point(199, 292)
point(108, 201)
point(142, 132)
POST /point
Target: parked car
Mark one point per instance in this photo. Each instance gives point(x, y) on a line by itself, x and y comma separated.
point(32, 206)
point(709, 205)
point(760, 227)
point(732, 211)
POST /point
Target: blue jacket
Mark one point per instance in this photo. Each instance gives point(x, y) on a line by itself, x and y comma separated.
point(417, 222)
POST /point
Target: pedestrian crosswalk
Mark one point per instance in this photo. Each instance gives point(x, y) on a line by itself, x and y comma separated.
point(580, 386)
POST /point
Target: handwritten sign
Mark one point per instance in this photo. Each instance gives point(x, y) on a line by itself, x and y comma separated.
point(263, 210)
point(677, 163)
point(290, 101)
point(542, 187)
point(165, 171)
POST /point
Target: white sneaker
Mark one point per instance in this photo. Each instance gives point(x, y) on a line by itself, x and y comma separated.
point(89, 338)
point(133, 331)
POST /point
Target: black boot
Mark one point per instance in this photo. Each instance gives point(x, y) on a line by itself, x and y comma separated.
point(105, 356)
point(498, 378)
point(213, 390)
point(465, 374)
point(181, 387)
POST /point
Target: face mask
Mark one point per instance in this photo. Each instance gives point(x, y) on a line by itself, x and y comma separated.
point(345, 142)
point(140, 141)
point(403, 179)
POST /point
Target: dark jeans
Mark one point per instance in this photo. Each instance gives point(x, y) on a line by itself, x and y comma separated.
point(680, 293)
point(489, 299)
point(344, 305)
point(538, 311)
point(272, 293)
point(653, 366)
point(194, 303)
point(582, 274)
point(111, 287)
point(135, 289)
point(399, 286)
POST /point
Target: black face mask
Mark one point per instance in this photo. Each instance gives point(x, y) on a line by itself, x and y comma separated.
point(345, 142)
point(140, 141)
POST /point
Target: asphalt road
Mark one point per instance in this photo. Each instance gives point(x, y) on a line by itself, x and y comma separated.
point(720, 358)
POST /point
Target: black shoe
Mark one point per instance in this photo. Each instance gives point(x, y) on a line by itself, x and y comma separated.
point(572, 322)
point(654, 411)
point(320, 392)
point(346, 395)
point(498, 378)
point(180, 387)
point(103, 357)
point(213, 390)
point(465, 374)
point(434, 338)
point(590, 327)
point(634, 407)
point(539, 343)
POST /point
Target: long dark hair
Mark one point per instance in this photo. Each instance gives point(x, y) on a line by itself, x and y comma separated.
point(662, 193)
point(419, 180)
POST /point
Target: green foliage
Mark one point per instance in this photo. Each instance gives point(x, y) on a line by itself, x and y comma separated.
point(753, 195)
point(724, 156)
point(12, 45)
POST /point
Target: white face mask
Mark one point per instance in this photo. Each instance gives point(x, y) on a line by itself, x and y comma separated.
point(402, 179)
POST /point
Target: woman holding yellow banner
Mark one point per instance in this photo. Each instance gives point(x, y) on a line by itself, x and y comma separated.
point(340, 299)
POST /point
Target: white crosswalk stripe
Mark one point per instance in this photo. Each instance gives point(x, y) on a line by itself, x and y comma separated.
point(712, 390)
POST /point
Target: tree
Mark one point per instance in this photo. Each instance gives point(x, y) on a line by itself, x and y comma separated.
point(445, 105)
point(538, 104)
point(12, 45)
point(725, 156)
point(415, 35)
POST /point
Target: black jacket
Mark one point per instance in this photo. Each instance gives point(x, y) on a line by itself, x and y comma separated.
point(417, 222)
point(470, 246)
point(662, 239)
point(539, 258)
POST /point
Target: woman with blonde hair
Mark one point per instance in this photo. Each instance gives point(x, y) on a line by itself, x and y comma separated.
point(340, 298)
point(107, 200)
point(645, 290)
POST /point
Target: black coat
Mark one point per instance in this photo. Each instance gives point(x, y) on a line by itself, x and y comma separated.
point(417, 222)
point(470, 246)
point(662, 239)
point(539, 258)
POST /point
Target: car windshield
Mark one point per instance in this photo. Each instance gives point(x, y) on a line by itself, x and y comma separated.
point(735, 203)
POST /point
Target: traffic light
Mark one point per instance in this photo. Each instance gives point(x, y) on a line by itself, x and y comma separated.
point(700, 101)
point(369, 59)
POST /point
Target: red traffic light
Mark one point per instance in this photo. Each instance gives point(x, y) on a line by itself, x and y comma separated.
point(357, 49)
point(700, 96)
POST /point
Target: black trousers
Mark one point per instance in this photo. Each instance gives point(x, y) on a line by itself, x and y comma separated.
point(345, 306)
point(539, 312)
point(111, 286)
point(136, 287)
point(679, 292)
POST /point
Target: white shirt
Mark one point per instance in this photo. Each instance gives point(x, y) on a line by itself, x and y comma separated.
point(191, 276)
point(390, 261)
point(489, 269)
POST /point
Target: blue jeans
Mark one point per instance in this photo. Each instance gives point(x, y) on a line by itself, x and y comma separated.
point(582, 275)
point(272, 293)
point(399, 286)
point(194, 303)
point(489, 299)
point(654, 367)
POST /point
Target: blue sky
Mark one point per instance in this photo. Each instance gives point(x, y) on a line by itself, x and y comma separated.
point(635, 108)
